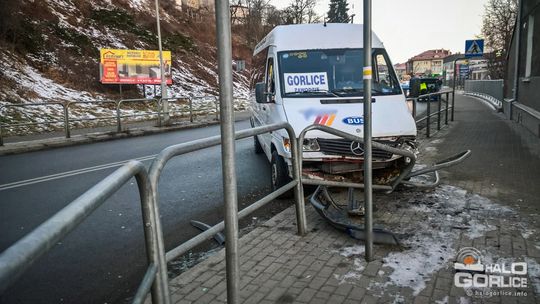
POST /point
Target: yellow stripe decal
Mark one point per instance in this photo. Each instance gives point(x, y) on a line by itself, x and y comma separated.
point(331, 120)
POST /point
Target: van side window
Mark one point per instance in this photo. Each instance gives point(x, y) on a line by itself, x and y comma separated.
point(270, 79)
point(382, 81)
point(258, 65)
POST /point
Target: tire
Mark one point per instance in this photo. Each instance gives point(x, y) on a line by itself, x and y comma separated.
point(257, 145)
point(279, 174)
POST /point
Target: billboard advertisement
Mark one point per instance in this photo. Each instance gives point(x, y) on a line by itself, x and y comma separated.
point(133, 67)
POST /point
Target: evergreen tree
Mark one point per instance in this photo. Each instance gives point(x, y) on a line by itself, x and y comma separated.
point(338, 12)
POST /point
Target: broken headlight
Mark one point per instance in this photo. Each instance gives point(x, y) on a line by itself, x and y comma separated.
point(311, 145)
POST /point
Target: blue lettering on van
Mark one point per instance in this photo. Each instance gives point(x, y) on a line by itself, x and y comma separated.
point(353, 120)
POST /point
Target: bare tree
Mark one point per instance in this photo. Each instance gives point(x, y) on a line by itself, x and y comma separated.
point(254, 27)
point(300, 11)
point(497, 27)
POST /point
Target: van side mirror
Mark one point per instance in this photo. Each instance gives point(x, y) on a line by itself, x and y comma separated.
point(260, 92)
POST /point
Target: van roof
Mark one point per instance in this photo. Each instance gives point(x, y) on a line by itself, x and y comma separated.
point(316, 36)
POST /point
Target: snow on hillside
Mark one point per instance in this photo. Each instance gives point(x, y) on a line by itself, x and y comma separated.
point(65, 68)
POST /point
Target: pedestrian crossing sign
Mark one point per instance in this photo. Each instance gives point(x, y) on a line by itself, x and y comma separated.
point(474, 48)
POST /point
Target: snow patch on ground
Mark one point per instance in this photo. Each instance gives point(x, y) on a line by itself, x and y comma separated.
point(356, 250)
point(413, 268)
point(444, 214)
point(443, 301)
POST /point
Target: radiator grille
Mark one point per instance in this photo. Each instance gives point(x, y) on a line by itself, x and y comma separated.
point(343, 147)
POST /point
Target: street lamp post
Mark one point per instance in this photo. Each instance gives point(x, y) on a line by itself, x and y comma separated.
point(165, 103)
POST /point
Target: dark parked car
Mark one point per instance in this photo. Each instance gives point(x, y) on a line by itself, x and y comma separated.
point(432, 85)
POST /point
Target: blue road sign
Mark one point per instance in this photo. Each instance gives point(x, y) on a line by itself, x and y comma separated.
point(463, 70)
point(474, 48)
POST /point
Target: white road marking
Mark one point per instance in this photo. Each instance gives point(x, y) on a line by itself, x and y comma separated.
point(70, 173)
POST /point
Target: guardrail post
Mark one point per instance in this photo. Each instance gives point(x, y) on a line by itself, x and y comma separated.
point(66, 120)
point(439, 97)
point(216, 102)
point(223, 31)
point(296, 150)
point(190, 109)
point(453, 104)
point(118, 118)
point(446, 110)
point(1, 135)
point(428, 117)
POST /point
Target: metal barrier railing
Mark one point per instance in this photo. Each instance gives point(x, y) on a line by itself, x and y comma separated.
point(137, 100)
point(25, 252)
point(427, 117)
point(176, 150)
point(214, 107)
point(67, 121)
point(20, 256)
point(489, 90)
point(171, 101)
point(351, 137)
point(3, 125)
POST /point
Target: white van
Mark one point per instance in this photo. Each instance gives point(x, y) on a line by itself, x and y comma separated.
point(312, 74)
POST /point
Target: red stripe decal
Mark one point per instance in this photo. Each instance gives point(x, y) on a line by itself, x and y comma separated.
point(324, 119)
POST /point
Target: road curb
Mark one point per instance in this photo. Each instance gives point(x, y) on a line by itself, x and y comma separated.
point(59, 142)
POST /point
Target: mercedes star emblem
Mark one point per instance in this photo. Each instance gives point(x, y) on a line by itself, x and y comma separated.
point(357, 148)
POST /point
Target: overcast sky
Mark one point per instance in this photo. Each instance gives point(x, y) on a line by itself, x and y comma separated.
point(409, 27)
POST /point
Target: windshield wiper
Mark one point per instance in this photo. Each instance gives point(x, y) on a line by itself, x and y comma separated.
point(314, 92)
point(347, 91)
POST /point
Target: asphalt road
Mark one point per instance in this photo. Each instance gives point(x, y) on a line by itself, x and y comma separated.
point(103, 260)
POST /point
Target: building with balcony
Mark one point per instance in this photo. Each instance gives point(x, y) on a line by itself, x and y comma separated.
point(428, 63)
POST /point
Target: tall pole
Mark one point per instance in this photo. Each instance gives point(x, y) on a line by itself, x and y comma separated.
point(223, 24)
point(165, 103)
point(367, 131)
point(516, 60)
point(454, 87)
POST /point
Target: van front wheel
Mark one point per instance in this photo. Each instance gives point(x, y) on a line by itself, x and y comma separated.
point(280, 174)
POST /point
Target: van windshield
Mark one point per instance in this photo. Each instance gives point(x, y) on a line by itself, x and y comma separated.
point(334, 72)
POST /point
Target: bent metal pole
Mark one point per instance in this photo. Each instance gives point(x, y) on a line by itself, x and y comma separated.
point(223, 26)
point(367, 131)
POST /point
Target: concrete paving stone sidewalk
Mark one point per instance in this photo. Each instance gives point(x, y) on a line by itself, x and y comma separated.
point(490, 202)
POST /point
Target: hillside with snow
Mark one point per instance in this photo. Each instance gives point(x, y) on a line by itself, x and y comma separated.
point(49, 52)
